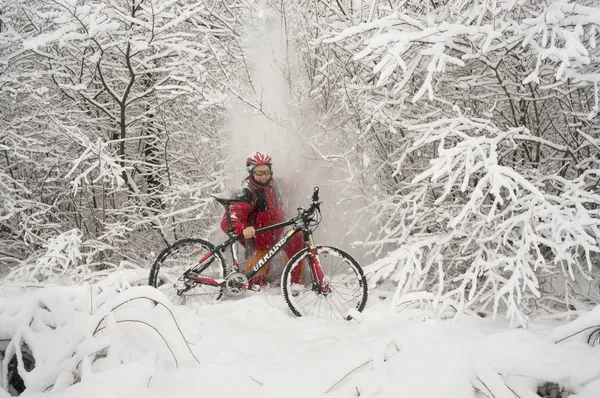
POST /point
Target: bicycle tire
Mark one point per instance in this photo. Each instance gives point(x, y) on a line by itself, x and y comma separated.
point(346, 280)
point(182, 255)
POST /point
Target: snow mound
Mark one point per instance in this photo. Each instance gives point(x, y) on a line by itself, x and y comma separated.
point(113, 338)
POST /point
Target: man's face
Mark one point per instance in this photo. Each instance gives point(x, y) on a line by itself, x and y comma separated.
point(262, 174)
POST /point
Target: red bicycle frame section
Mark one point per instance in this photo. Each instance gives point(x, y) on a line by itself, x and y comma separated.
point(300, 224)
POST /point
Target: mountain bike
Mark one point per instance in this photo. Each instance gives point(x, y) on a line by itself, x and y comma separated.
point(328, 282)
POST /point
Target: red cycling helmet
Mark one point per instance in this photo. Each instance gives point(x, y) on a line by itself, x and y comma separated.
point(258, 159)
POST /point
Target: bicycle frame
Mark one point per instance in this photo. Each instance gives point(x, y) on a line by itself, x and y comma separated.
point(300, 225)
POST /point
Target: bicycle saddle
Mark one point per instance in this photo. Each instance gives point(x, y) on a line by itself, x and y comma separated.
point(227, 201)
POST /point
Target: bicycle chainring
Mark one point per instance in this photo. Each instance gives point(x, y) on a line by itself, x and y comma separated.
point(234, 284)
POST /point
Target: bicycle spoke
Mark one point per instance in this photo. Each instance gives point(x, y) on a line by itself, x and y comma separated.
point(168, 273)
point(332, 302)
point(345, 287)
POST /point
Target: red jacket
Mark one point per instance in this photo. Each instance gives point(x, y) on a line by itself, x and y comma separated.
point(262, 206)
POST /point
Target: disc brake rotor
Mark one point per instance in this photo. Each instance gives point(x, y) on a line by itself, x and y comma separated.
point(182, 286)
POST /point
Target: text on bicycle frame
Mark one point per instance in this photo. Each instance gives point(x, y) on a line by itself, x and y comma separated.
point(272, 252)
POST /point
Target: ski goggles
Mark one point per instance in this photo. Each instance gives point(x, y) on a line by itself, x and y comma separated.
point(260, 173)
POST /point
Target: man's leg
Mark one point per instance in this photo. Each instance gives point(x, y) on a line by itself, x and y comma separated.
point(261, 277)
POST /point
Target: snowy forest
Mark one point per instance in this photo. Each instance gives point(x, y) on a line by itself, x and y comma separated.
point(456, 144)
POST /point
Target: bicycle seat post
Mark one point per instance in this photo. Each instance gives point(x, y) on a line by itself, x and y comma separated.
point(226, 204)
point(229, 225)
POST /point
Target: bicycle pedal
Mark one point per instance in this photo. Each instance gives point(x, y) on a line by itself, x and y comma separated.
point(254, 288)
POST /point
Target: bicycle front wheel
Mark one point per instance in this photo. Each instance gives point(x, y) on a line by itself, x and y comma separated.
point(167, 273)
point(344, 287)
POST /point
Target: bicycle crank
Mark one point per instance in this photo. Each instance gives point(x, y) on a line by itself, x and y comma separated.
point(234, 284)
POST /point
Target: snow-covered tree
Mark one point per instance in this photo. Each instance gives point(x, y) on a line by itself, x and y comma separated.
point(26, 146)
point(127, 95)
point(404, 70)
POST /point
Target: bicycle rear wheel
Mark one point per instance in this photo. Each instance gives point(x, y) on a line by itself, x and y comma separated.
point(345, 278)
point(167, 272)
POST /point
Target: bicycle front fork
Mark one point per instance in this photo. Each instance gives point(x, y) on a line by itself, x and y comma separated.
point(319, 282)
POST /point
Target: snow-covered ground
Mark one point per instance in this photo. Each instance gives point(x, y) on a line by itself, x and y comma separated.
point(253, 347)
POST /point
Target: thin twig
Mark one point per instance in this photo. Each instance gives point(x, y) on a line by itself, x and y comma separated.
point(167, 308)
point(513, 391)
point(576, 333)
point(254, 380)
point(486, 387)
point(346, 375)
point(152, 327)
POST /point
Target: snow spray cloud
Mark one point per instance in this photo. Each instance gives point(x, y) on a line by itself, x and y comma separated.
point(258, 119)
point(267, 119)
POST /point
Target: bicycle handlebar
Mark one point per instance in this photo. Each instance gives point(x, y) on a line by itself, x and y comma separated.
point(315, 205)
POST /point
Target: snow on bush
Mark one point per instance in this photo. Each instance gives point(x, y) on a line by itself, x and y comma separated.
point(113, 337)
point(560, 33)
point(501, 228)
point(495, 210)
point(53, 337)
point(69, 258)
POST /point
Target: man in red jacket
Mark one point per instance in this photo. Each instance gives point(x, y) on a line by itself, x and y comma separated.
point(262, 206)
